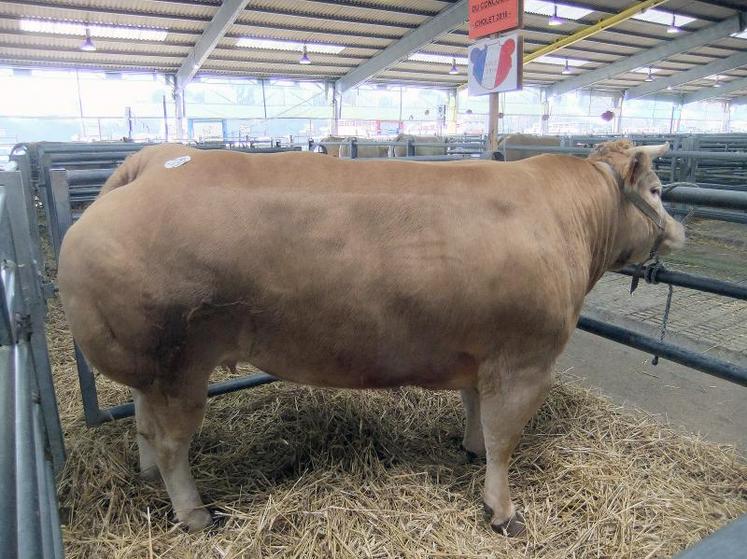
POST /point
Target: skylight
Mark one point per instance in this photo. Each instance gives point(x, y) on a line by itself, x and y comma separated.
point(560, 61)
point(294, 46)
point(663, 18)
point(437, 58)
point(544, 8)
point(96, 30)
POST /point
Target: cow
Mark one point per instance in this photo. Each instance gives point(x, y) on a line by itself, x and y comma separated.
point(332, 149)
point(366, 151)
point(401, 151)
point(508, 154)
point(466, 275)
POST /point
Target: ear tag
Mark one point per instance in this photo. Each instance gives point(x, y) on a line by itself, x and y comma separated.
point(178, 162)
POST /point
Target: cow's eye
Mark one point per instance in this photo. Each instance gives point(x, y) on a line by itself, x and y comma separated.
point(656, 191)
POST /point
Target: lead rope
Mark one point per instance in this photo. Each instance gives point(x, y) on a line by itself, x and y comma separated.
point(664, 321)
point(651, 270)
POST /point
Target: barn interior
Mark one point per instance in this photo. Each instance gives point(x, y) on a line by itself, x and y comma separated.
point(631, 455)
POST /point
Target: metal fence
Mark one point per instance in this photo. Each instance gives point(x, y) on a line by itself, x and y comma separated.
point(31, 443)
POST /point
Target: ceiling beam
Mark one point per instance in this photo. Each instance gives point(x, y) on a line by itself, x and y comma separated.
point(711, 92)
point(680, 78)
point(446, 20)
point(733, 24)
point(222, 21)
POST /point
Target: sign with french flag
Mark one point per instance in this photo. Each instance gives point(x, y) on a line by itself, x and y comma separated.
point(495, 64)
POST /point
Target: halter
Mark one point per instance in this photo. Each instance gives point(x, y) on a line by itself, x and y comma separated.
point(646, 209)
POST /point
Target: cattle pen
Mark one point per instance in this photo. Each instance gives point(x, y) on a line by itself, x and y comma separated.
point(639, 447)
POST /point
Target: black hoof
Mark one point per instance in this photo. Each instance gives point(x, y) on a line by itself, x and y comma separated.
point(511, 528)
point(471, 456)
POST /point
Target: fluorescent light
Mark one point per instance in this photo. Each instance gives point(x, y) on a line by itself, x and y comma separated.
point(305, 56)
point(673, 27)
point(646, 70)
point(87, 43)
point(663, 18)
point(554, 20)
point(104, 31)
point(438, 58)
point(559, 61)
point(566, 69)
point(294, 46)
point(544, 8)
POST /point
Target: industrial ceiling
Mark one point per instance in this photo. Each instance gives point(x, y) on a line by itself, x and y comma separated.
point(679, 48)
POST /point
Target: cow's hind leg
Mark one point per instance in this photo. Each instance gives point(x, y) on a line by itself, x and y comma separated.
point(473, 442)
point(148, 467)
point(508, 399)
point(170, 418)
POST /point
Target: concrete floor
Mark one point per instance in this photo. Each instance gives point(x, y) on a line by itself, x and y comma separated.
point(687, 398)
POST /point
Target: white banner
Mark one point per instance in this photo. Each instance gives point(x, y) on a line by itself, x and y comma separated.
point(495, 64)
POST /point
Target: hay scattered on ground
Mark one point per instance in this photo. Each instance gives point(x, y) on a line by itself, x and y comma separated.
point(312, 473)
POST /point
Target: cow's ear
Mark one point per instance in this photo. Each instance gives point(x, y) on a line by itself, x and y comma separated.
point(637, 166)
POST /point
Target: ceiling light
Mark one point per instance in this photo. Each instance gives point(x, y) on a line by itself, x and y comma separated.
point(717, 83)
point(87, 43)
point(95, 30)
point(453, 70)
point(304, 57)
point(554, 19)
point(566, 69)
point(669, 88)
point(276, 44)
point(650, 75)
point(673, 28)
point(662, 18)
point(559, 61)
point(438, 58)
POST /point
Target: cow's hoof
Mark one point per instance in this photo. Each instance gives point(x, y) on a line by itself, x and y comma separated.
point(511, 528)
point(471, 456)
point(150, 474)
point(198, 519)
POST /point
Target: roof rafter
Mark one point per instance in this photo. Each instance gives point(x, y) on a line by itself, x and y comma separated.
point(711, 92)
point(734, 24)
point(446, 20)
point(680, 78)
point(214, 32)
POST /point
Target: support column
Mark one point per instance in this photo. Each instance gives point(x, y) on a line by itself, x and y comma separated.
point(336, 110)
point(494, 109)
point(674, 121)
point(179, 104)
point(453, 111)
point(726, 117)
point(545, 119)
point(617, 127)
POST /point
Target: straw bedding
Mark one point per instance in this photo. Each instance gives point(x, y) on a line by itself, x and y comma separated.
point(311, 473)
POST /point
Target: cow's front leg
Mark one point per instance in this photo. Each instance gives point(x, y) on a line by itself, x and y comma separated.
point(473, 442)
point(508, 399)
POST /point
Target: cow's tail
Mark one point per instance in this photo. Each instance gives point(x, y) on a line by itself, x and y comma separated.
point(124, 174)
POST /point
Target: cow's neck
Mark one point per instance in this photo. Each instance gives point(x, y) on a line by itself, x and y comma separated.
point(598, 215)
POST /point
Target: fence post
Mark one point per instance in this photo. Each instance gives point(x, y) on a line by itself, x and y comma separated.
point(353, 148)
point(410, 147)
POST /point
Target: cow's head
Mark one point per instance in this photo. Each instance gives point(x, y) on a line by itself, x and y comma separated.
point(645, 225)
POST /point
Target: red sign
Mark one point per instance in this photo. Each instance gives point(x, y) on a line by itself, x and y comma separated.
point(494, 16)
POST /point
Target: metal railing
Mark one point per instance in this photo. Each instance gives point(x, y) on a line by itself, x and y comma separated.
point(31, 443)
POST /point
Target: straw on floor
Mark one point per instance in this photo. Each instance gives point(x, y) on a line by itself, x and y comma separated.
point(311, 473)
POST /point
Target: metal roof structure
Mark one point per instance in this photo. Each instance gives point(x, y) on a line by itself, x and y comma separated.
point(377, 38)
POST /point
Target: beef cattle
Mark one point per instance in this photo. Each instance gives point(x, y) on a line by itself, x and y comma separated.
point(508, 154)
point(401, 151)
point(466, 275)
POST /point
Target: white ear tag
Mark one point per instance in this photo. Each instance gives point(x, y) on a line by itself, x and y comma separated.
point(178, 162)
